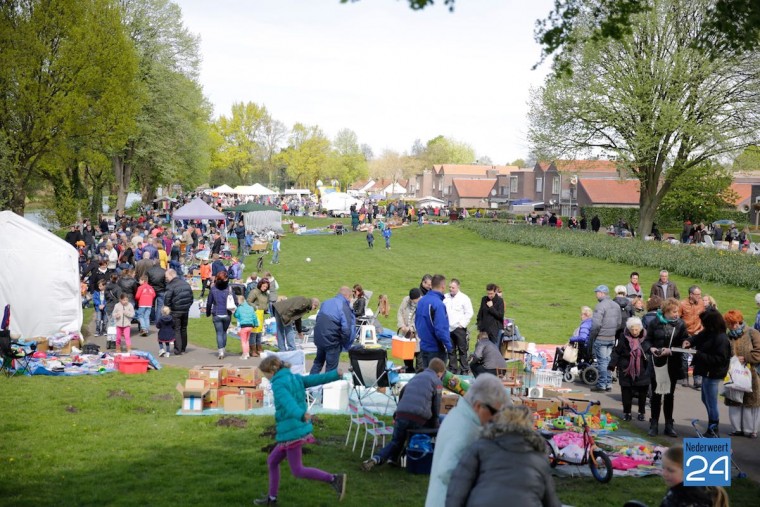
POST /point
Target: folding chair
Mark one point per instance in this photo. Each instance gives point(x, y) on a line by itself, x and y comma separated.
point(297, 360)
point(370, 372)
point(356, 419)
point(14, 357)
point(377, 428)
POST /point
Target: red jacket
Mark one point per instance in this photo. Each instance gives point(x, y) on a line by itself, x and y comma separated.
point(145, 295)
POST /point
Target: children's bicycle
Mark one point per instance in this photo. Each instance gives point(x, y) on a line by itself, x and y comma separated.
point(594, 457)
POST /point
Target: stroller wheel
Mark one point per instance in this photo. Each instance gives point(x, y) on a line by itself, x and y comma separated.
point(568, 376)
point(590, 375)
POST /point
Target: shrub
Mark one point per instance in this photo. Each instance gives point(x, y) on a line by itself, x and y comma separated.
point(610, 216)
point(709, 264)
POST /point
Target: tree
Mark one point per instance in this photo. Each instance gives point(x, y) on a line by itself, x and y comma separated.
point(733, 24)
point(652, 100)
point(519, 162)
point(367, 152)
point(307, 157)
point(241, 132)
point(442, 150)
point(348, 164)
point(700, 194)
point(66, 73)
point(748, 160)
point(172, 108)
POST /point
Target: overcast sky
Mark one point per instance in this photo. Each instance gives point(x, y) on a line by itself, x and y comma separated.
point(390, 74)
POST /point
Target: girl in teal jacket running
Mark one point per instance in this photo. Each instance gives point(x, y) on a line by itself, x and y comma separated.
point(293, 425)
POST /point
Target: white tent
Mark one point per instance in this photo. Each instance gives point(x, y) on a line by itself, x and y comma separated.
point(259, 189)
point(429, 200)
point(39, 278)
point(224, 189)
point(241, 190)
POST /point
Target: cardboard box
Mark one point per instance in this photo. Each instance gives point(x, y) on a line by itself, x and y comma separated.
point(211, 399)
point(448, 401)
point(192, 395)
point(403, 348)
point(514, 349)
point(254, 395)
point(213, 374)
point(43, 346)
point(542, 405)
point(236, 403)
point(242, 376)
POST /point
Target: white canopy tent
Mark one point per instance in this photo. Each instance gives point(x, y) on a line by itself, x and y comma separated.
point(39, 278)
point(259, 189)
point(429, 200)
point(224, 189)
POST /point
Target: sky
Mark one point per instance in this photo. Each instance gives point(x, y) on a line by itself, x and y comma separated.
point(390, 74)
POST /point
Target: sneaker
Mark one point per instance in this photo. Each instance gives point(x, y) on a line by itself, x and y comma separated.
point(608, 388)
point(161, 353)
point(641, 417)
point(167, 354)
point(221, 354)
point(244, 357)
point(265, 500)
point(627, 417)
point(339, 485)
point(369, 464)
point(598, 389)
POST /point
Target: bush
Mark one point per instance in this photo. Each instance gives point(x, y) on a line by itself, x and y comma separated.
point(610, 216)
point(709, 264)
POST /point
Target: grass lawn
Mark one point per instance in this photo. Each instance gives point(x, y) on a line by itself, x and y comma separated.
point(115, 439)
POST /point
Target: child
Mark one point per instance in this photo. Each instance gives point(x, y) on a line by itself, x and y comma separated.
point(387, 236)
point(276, 250)
point(99, 300)
point(679, 495)
point(418, 407)
point(236, 270)
point(123, 312)
point(144, 299)
point(370, 238)
point(165, 326)
point(293, 426)
point(205, 270)
point(246, 317)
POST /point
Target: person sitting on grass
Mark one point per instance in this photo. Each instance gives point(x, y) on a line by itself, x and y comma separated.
point(418, 407)
point(293, 426)
point(679, 495)
point(486, 358)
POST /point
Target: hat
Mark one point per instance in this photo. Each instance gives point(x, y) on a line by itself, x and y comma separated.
point(415, 293)
point(602, 288)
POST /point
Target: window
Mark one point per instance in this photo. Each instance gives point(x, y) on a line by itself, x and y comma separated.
point(555, 185)
point(513, 184)
point(539, 185)
point(502, 190)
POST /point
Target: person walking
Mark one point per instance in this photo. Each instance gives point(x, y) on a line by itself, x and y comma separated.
point(604, 325)
point(276, 250)
point(179, 298)
point(387, 236)
point(664, 288)
point(333, 331)
point(459, 309)
point(246, 317)
point(293, 427)
point(217, 305)
point(432, 324)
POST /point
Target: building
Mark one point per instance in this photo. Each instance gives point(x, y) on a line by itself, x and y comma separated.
point(438, 181)
point(472, 193)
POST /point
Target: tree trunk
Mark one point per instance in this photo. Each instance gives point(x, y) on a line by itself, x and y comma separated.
point(122, 171)
point(647, 208)
point(18, 200)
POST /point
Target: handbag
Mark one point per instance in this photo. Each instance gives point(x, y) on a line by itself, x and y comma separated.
point(741, 376)
point(260, 319)
point(231, 306)
point(570, 354)
point(661, 373)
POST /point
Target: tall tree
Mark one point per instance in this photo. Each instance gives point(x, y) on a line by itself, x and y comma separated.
point(348, 164)
point(651, 100)
point(172, 107)
point(242, 132)
point(442, 150)
point(699, 195)
point(748, 160)
point(66, 69)
point(307, 157)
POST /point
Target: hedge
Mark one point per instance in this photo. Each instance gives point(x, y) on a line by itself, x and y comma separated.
point(709, 264)
point(610, 216)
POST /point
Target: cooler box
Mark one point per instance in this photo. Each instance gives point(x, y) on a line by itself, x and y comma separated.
point(131, 365)
point(335, 395)
point(403, 348)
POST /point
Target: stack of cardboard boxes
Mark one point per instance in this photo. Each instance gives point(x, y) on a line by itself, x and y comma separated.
point(549, 406)
point(222, 386)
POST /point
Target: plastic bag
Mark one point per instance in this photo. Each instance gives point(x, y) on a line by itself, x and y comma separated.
point(571, 354)
point(741, 376)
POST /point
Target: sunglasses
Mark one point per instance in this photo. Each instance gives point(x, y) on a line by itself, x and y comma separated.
point(492, 410)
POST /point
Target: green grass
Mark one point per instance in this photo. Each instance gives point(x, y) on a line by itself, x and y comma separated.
point(115, 439)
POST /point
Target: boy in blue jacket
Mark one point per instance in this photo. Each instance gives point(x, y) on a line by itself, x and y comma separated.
point(293, 426)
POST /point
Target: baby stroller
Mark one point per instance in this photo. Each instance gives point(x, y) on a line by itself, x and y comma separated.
point(582, 367)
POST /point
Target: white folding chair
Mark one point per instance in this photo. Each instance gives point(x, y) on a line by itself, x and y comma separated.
point(297, 360)
point(377, 428)
point(356, 418)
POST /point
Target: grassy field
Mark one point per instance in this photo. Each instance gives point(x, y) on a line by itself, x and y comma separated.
point(116, 439)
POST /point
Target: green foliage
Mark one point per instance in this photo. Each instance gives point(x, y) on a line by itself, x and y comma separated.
point(348, 162)
point(720, 266)
point(307, 157)
point(699, 194)
point(442, 150)
point(610, 216)
point(748, 160)
point(241, 151)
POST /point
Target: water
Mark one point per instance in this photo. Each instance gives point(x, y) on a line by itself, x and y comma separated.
point(38, 216)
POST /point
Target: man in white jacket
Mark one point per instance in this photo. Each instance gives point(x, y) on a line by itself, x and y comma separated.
point(459, 308)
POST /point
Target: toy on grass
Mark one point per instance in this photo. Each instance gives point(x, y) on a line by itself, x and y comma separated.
point(455, 384)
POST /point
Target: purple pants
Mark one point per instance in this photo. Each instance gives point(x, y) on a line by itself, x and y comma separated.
point(293, 454)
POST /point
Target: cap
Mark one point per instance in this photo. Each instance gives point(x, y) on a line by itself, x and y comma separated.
point(602, 288)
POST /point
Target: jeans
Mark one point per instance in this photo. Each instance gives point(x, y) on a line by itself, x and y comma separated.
point(427, 356)
point(392, 450)
point(143, 317)
point(603, 351)
point(330, 355)
point(101, 320)
point(221, 323)
point(294, 455)
point(710, 397)
point(286, 335)
point(275, 256)
point(180, 330)
point(157, 305)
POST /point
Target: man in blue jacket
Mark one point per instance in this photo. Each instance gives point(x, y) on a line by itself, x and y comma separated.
point(333, 331)
point(432, 323)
